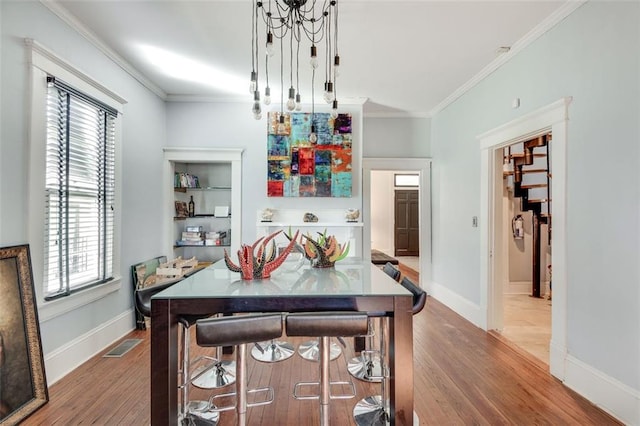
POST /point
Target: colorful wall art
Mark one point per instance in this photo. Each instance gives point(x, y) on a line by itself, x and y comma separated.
point(299, 168)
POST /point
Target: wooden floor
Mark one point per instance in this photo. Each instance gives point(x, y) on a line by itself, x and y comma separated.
point(463, 376)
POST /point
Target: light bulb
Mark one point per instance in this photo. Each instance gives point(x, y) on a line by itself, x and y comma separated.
point(269, 47)
point(313, 138)
point(314, 57)
point(257, 110)
point(253, 84)
point(267, 95)
point(291, 103)
point(334, 109)
point(298, 102)
point(328, 94)
point(281, 129)
point(336, 66)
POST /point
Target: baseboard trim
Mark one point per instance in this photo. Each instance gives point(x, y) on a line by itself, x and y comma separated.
point(524, 287)
point(469, 311)
point(612, 396)
point(68, 357)
point(619, 400)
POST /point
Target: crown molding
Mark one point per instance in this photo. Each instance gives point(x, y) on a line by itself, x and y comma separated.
point(234, 100)
point(403, 114)
point(85, 32)
point(208, 99)
point(551, 21)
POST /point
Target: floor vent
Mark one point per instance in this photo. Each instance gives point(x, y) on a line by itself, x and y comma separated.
point(122, 348)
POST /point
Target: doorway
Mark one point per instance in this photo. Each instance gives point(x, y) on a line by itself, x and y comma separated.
point(406, 230)
point(553, 119)
point(527, 207)
point(421, 166)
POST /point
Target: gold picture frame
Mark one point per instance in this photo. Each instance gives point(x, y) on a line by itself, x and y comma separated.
point(23, 384)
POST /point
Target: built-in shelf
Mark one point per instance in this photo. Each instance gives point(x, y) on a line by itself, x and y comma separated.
point(200, 246)
point(309, 224)
point(334, 221)
point(219, 173)
point(200, 216)
point(207, 188)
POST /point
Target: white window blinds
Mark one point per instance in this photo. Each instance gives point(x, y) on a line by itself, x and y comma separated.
point(80, 185)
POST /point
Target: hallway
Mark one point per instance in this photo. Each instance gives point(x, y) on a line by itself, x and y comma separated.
point(527, 324)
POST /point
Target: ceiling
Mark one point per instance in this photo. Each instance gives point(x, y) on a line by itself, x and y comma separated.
point(401, 58)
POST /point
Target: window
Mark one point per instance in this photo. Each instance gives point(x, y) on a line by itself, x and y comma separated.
point(79, 190)
point(412, 180)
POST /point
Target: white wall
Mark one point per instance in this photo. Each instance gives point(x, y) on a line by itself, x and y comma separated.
point(232, 126)
point(382, 211)
point(397, 137)
point(593, 56)
point(143, 134)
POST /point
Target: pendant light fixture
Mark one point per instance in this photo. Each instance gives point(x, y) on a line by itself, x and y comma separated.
point(295, 22)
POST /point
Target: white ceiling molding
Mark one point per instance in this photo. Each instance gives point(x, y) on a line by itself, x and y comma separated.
point(405, 114)
point(551, 21)
point(70, 20)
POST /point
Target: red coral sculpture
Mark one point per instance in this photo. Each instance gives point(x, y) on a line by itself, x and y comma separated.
point(258, 265)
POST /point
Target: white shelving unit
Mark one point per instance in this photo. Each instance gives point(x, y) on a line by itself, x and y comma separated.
point(332, 220)
point(219, 175)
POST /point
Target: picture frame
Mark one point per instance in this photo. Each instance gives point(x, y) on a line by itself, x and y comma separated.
point(23, 384)
point(181, 209)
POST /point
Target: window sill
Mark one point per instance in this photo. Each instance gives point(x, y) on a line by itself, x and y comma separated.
point(55, 308)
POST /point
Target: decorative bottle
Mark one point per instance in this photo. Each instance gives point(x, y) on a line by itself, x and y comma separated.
point(192, 207)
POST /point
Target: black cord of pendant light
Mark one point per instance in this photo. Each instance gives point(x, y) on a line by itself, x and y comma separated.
point(303, 19)
point(281, 78)
point(254, 49)
point(257, 41)
point(298, 97)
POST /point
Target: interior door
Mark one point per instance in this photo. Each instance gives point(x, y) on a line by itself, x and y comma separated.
point(407, 223)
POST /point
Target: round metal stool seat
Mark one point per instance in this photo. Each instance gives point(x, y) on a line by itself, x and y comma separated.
point(366, 367)
point(223, 373)
point(311, 350)
point(197, 415)
point(370, 412)
point(272, 351)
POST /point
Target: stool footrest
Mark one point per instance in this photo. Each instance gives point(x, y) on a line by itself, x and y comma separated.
point(268, 399)
point(349, 384)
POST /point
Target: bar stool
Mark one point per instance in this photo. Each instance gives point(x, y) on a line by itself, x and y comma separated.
point(325, 325)
point(143, 306)
point(238, 331)
point(367, 366)
point(372, 410)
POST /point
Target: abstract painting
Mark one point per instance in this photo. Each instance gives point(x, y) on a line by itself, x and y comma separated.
point(297, 167)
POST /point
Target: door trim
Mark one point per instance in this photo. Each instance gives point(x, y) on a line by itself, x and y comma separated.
point(554, 118)
point(421, 165)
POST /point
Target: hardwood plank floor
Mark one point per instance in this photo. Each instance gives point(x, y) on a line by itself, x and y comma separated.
point(463, 376)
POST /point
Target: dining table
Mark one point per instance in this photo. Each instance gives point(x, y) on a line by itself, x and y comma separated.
point(352, 284)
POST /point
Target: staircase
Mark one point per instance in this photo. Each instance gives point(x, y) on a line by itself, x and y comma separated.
point(526, 167)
